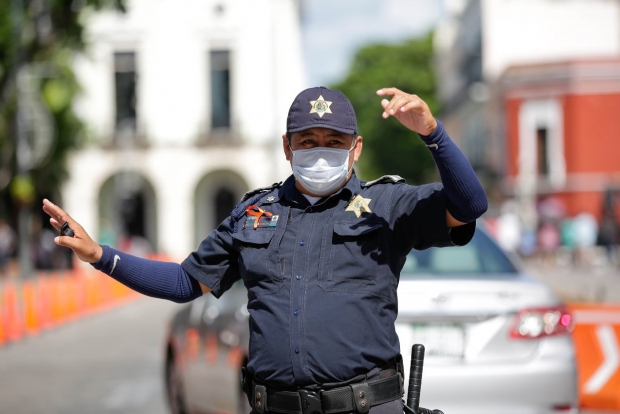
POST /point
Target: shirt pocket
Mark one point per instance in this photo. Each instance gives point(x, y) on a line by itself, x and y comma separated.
point(257, 267)
point(352, 257)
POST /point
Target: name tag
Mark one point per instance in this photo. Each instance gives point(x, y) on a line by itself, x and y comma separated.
point(263, 221)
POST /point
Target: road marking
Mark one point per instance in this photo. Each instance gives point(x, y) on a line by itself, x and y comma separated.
point(116, 259)
point(611, 353)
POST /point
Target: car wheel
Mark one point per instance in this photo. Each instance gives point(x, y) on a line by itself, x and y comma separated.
point(174, 387)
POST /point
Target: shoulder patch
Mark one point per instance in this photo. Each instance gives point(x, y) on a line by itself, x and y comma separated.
point(386, 179)
point(259, 190)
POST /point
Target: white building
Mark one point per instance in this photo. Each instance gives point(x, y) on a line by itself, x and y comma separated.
point(185, 105)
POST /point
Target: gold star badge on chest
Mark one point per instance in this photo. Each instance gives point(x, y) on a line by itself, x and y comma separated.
point(359, 205)
point(320, 107)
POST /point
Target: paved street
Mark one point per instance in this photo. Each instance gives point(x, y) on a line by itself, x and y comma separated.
point(106, 363)
point(112, 362)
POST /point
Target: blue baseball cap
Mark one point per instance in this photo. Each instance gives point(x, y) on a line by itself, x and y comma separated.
point(320, 107)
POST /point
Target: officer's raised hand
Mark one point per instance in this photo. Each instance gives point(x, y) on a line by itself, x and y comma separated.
point(84, 247)
point(409, 109)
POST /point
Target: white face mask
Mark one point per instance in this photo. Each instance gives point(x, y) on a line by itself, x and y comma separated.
point(321, 170)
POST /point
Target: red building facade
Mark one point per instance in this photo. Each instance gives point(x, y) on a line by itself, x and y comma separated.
point(562, 129)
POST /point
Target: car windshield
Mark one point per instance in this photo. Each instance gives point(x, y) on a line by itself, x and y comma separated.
point(481, 256)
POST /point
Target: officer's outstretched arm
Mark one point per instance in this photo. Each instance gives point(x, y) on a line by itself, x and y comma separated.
point(152, 278)
point(466, 198)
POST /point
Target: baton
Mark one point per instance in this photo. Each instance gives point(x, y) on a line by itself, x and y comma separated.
point(415, 382)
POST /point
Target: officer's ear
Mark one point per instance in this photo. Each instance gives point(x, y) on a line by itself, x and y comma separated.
point(286, 146)
point(357, 151)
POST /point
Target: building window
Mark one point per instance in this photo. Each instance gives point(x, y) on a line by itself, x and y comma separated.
point(541, 145)
point(220, 89)
point(542, 150)
point(125, 91)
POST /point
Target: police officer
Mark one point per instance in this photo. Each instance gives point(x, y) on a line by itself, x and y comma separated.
point(320, 256)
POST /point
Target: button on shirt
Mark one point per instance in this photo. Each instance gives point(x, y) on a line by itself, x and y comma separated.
point(322, 282)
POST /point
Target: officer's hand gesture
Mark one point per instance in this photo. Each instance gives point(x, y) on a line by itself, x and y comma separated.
point(409, 109)
point(82, 245)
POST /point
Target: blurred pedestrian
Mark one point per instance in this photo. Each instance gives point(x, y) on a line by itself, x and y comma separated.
point(135, 245)
point(609, 238)
point(8, 241)
point(551, 209)
point(609, 235)
point(508, 227)
point(567, 235)
point(548, 242)
point(320, 256)
point(45, 249)
point(107, 235)
point(585, 231)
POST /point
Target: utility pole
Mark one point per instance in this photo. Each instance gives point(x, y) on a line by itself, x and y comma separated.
point(22, 147)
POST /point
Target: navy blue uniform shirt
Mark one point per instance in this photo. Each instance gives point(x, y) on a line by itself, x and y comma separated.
point(321, 281)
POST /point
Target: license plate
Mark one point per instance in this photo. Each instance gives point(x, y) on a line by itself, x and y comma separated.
point(440, 340)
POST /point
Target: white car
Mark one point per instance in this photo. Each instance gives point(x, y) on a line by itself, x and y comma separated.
point(496, 340)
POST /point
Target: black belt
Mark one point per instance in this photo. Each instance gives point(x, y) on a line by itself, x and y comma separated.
point(355, 397)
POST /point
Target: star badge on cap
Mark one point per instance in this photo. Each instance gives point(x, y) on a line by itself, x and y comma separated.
point(320, 107)
point(359, 205)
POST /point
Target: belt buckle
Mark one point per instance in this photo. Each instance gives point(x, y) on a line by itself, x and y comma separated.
point(310, 402)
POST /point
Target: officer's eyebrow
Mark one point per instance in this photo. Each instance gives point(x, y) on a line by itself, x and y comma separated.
point(336, 135)
point(330, 135)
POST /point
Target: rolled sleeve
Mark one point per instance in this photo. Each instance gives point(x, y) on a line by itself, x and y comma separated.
point(215, 262)
point(420, 219)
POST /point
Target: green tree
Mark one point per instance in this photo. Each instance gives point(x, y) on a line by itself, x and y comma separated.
point(38, 39)
point(389, 148)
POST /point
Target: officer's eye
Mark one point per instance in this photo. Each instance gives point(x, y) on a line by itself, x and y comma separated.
point(307, 143)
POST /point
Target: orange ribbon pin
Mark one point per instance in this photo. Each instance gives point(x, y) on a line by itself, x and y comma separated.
point(258, 213)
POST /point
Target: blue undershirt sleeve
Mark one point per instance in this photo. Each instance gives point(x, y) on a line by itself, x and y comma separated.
point(466, 198)
point(163, 280)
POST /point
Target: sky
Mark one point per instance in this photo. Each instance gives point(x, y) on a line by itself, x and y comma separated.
point(334, 29)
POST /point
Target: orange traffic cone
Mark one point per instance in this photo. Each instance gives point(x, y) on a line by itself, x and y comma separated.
point(63, 297)
point(80, 293)
point(31, 308)
point(211, 348)
point(2, 323)
point(45, 306)
point(193, 343)
point(234, 357)
point(14, 323)
point(71, 291)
